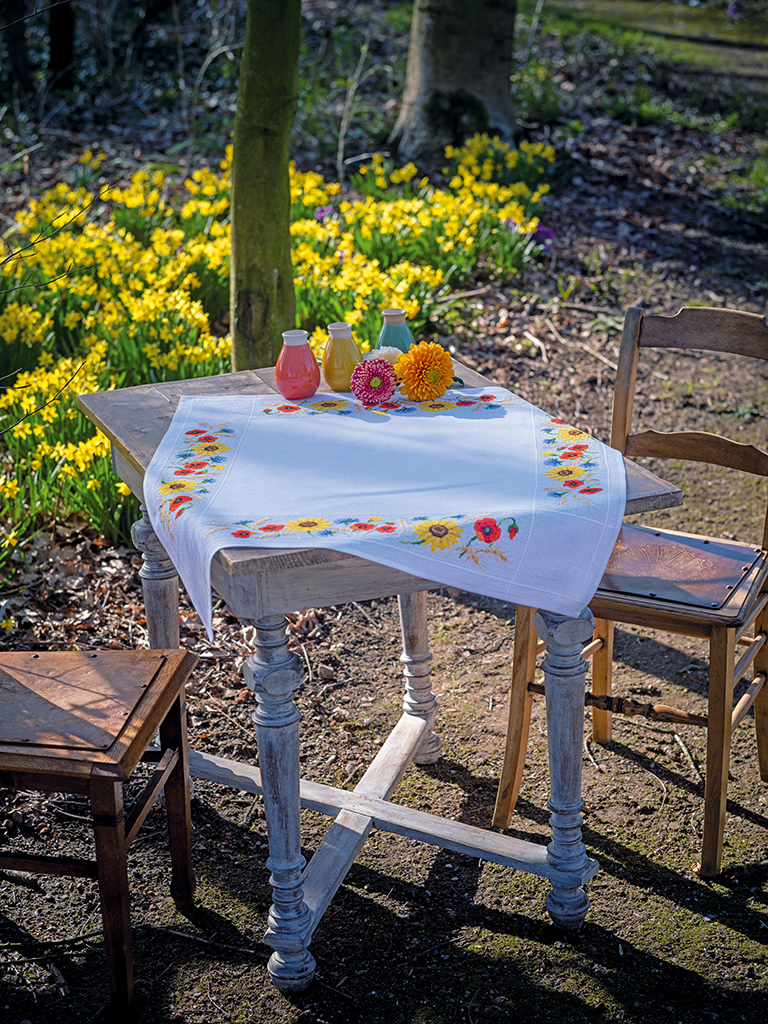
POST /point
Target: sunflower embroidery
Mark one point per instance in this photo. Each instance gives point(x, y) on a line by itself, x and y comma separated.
point(306, 525)
point(438, 533)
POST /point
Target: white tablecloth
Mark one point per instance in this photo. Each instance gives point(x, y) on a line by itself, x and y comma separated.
point(479, 490)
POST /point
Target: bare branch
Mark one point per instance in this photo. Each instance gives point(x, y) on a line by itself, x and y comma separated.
point(49, 402)
point(34, 14)
point(42, 237)
point(67, 273)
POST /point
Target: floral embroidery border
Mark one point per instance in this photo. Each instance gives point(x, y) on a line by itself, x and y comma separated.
point(203, 452)
point(571, 461)
point(397, 406)
point(453, 535)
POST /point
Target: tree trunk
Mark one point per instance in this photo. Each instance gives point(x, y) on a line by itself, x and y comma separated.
point(16, 43)
point(459, 65)
point(61, 58)
point(262, 300)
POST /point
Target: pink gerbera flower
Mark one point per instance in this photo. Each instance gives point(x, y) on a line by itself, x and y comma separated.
point(373, 381)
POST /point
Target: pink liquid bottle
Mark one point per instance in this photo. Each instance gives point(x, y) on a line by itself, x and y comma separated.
point(297, 373)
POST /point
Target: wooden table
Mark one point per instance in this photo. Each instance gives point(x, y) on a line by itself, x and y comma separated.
point(261, 586)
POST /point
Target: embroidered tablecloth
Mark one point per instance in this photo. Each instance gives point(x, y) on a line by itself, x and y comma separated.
point(479, 490)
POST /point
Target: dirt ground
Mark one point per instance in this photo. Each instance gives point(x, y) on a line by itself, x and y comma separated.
point(417, 935)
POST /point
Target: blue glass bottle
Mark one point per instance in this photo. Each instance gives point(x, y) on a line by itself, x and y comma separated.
point(395, 332)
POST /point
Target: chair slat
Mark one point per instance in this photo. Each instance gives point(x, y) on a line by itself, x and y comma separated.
point(698, 446)
point(716, 330)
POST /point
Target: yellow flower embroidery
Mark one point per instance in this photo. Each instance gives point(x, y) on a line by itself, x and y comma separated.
point(572, 434)
point(168, 487)
point(306, 525)
point(330, 404)
point(562, 473)
point(438, 533)
point(437, 406)
point(210, 448)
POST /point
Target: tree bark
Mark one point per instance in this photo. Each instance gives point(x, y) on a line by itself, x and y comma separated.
point(262, 299)
point(458, 79)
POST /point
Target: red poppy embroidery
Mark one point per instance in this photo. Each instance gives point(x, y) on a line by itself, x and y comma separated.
point(362, 526)
point(288, 408)
point(571, 455)
point(209, 437)
point(195, 433)
point(465, 401)
point(386, 529)
point(242, 533)
point(487, 398)
point(182, 472)
point(180, 499)
point(272, 527)
point(195, 465)
point(487, 530)
point(590, 490)
point(512, 531)
point(573, 484)
point(389, 405)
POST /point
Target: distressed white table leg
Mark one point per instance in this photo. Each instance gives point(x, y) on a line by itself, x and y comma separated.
point(273, 673)
point(160, 583)
point(564, 674)
point(419, 699)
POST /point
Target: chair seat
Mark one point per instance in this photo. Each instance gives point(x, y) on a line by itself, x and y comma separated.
point(62, 702)
point(696, 581)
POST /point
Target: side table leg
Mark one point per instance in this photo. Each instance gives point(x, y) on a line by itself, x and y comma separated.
point(419, 699)
point(273, 673)
point(564, 677)
point(160, 583)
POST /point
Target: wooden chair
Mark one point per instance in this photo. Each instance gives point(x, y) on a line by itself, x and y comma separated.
point(79, 722)
point(681, 583)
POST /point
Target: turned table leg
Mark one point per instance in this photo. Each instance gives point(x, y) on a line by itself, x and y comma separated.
point(419, 699)
point(160, 583)
point(564, 675)
point(273, 673)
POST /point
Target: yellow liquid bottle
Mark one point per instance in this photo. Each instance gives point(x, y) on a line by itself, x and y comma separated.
point(340, 357)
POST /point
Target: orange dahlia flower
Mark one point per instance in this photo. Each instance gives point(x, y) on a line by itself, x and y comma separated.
point(425, 370)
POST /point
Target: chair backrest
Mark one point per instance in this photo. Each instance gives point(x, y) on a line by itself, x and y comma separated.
point(693, 327)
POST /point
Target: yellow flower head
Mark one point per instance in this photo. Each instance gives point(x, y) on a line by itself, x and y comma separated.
point(426, 371)
point(307, 525)
point(438, 533)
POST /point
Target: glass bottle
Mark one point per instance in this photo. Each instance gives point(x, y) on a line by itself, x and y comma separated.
point(297, 374)
point(340, 357)
point(395, 332)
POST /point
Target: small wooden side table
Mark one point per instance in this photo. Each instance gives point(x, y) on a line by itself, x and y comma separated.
point(261, 586)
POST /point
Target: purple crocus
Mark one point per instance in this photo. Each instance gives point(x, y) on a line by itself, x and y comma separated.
point(322, 212)
point(544, 237)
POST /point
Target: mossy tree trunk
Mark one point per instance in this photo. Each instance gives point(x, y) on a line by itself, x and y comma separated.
point(458, 79)
point(262, 300)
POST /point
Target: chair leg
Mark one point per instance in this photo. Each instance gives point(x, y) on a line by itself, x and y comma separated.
point(173, 735)
point(112, 871)
point(602, 680)
point(519, 720)
point(722, 650)
point(761, 701)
